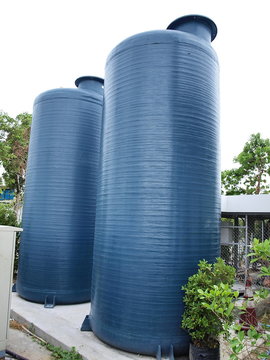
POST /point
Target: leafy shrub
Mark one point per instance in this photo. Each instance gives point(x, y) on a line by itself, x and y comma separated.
point(8, 217)
point(208, 290)
point(59, 353)
point(261, 254)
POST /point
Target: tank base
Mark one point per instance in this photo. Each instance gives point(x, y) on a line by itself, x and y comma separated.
point(159, 347)
point(52, 298)
point(159, 353)
point(49, 301)
point(86, 325)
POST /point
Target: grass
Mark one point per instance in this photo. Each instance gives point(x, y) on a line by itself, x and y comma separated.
point(57, 353)
point(60, 354)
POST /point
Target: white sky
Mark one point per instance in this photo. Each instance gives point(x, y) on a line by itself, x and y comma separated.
point(47, 44)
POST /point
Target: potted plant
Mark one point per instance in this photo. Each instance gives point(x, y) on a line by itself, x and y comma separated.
point(208, 300)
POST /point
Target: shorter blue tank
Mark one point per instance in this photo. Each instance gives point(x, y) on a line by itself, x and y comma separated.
point(55, 264)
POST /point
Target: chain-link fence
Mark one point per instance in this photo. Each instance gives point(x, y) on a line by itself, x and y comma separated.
point(237, 235)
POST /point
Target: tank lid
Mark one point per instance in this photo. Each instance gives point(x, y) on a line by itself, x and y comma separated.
point(187, 24)
point(90, 83)
point(86, 78)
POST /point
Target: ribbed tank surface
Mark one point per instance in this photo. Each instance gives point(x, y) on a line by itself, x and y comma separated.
point(158, 202)
point(55, 263)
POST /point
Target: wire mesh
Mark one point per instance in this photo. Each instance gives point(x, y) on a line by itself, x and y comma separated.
point(237, 235)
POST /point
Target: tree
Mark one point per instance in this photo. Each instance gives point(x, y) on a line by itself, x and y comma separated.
point(252, 175)
point(14, 142)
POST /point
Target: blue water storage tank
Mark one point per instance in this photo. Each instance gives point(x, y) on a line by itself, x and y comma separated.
point(158, 202)
point(55, 265)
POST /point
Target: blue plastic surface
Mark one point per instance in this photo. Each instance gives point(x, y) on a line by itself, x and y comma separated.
point(55, 265)
point(158, 202)
point(6, 194)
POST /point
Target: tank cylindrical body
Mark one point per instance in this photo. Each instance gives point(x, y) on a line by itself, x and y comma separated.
point(158, 202)
point(55, 263)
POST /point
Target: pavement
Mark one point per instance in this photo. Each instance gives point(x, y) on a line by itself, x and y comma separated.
point(60, 326)
point(23, 344)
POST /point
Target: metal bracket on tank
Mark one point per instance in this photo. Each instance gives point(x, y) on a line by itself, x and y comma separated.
point(86, 325)
point(159, 353)
point(49, 302)
point(171, 354)
point(14, 287)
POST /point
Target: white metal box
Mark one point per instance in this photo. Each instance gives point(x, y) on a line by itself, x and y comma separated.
point(226, 233)
point(7, 247)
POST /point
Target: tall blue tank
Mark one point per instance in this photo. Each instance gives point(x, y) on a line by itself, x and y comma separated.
point(55, 263)
point(158, 202)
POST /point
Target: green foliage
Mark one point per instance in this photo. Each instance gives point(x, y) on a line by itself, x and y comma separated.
point(219, 299)
point(261, 253)
point(260, 250)
point(252, 175)
point(8, 217)
point(208, 299)
point(255, 342)
point(60, 354)
point(261, 294)
point(265, 271)
point(14, 141)
point(57, 352)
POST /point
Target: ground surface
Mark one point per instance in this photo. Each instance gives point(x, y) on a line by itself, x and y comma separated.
point(22, 344)
point(60, 326)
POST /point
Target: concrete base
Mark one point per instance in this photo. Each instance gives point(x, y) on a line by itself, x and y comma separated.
point(23, 345)
point(60, 326)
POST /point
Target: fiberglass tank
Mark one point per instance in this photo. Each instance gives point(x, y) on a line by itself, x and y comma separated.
point(158, 201)
point(55, 265)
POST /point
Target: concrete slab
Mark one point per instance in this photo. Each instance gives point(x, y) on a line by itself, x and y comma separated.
point(60, 326)
point(23, 344)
